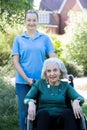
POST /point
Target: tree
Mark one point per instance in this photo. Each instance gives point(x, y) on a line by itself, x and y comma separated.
point(15, 6)
point(76, 32)
point(13, 11)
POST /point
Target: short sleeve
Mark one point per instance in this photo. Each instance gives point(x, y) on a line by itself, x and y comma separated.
point(49, 46)
point(15, 47)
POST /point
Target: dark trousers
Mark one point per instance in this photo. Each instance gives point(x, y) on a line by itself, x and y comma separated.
point(66, 121)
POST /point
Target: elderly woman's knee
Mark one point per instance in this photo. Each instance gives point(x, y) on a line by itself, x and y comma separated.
point(42, 114)
point(68, 113)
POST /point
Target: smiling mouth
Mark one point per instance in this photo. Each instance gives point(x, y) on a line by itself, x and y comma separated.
point(32, 26)
point(52, 77)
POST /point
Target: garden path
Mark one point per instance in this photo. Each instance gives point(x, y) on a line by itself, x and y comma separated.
point(81, 86)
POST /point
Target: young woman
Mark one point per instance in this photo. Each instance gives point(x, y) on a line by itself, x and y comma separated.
point(51, 93)
point(29, 52)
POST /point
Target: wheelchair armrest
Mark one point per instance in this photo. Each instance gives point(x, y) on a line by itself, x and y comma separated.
point(83, 123)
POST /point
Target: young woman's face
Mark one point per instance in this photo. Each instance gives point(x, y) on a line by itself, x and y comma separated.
point(31, 21)
point(53, 73)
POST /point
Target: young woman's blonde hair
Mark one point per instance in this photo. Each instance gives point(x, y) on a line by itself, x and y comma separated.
point(31, 12)
point(57, 62)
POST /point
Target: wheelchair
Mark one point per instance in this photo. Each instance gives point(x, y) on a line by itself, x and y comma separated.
point(82, 123)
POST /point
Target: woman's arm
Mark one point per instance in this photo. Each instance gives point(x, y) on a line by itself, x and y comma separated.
point(73, 94)
point(31, 99)
point(76, 101)
point(20, 70)
point(77, 110)
point(31, 110)
point(32, 94)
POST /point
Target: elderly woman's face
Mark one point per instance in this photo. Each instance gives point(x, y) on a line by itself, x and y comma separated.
point(53, 73)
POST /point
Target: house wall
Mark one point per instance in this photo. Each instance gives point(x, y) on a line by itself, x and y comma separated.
point(59, 21)
point(70, 5)
point(53, 27)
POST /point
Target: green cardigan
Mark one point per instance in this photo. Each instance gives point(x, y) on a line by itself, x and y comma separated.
point(53, 98)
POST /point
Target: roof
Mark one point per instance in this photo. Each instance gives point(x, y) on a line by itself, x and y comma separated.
point(57, 5)
point(83, 3)
point(51, 5)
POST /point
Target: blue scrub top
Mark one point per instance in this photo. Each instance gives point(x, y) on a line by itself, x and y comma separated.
point(32, 54)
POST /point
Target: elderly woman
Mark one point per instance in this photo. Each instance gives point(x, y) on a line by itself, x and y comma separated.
point(51, 92)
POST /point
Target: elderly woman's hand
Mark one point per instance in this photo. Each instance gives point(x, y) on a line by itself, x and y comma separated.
point(31, 110)
point(76, 108)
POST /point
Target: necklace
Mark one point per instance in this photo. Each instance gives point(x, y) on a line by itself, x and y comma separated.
point(54, 90)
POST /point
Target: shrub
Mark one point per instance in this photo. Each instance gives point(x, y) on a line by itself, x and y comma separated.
point(6, 39)
point(57, 44)
point(8, 105)
point(76, 32)
point(74, 69)
point(84, 109)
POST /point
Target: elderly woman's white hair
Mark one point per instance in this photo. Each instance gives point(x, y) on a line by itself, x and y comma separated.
point(57, 62)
